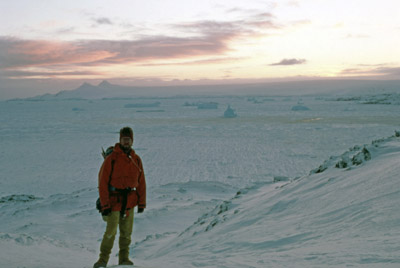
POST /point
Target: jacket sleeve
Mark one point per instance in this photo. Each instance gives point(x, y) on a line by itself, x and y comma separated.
point(104, 177)
point(141, 187)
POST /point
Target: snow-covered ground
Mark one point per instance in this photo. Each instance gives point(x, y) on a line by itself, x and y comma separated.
point(258, 190)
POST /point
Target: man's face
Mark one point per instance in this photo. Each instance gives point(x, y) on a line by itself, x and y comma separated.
point(126, 142)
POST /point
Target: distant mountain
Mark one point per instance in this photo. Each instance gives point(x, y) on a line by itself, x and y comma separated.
point(309, 87)
point(105, 84)
point(89, 91)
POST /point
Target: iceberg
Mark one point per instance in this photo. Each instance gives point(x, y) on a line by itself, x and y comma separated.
point(229, 112)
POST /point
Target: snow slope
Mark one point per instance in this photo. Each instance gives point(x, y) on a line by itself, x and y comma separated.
point(337, 218)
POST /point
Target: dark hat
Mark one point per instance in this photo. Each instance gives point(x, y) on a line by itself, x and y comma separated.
point(126, 132)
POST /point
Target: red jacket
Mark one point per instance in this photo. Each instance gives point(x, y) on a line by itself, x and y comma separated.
point(122, 171)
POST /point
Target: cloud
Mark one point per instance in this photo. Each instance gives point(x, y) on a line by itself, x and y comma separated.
point(65, 30)
point(203, 38)
point(389, 72)
point(395, 71)
point(289, 62)
point(103, 21)
point(217, 60)
point(49, 56)
point(16, 53)
point(192, 42)
point(157, 48)
point(48, 74)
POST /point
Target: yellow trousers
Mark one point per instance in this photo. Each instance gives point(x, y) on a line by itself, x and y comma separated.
point(125, 232)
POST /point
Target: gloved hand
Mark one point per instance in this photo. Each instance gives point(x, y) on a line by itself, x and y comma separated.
point(106, 212)
point(140, 210)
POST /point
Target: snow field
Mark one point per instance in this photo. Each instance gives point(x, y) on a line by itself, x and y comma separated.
point(239, 192)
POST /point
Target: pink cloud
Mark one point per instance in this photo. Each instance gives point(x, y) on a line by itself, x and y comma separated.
point(54, 73)
point(197, 62)
point(16, 53)
point(209, 39)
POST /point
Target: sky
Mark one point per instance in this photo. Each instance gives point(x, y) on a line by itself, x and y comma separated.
point(52, 45)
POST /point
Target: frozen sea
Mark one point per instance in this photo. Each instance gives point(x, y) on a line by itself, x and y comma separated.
point(196, 163)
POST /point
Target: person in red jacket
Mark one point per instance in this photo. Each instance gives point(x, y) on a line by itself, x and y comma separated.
point(122, 186)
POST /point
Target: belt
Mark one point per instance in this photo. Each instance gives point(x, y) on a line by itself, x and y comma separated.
point(124, 193)
point(128, 189)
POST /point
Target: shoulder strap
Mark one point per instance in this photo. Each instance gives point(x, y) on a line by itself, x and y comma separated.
point(137, 164)
point(112, 167)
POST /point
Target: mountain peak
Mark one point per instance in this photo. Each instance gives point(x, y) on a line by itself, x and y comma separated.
point(104, 83)
point(85, 85)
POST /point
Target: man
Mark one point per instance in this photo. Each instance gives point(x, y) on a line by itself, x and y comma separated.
point(122, 186)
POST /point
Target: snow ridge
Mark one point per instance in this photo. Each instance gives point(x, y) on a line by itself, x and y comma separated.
point(354, 156)
point(18, 198)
